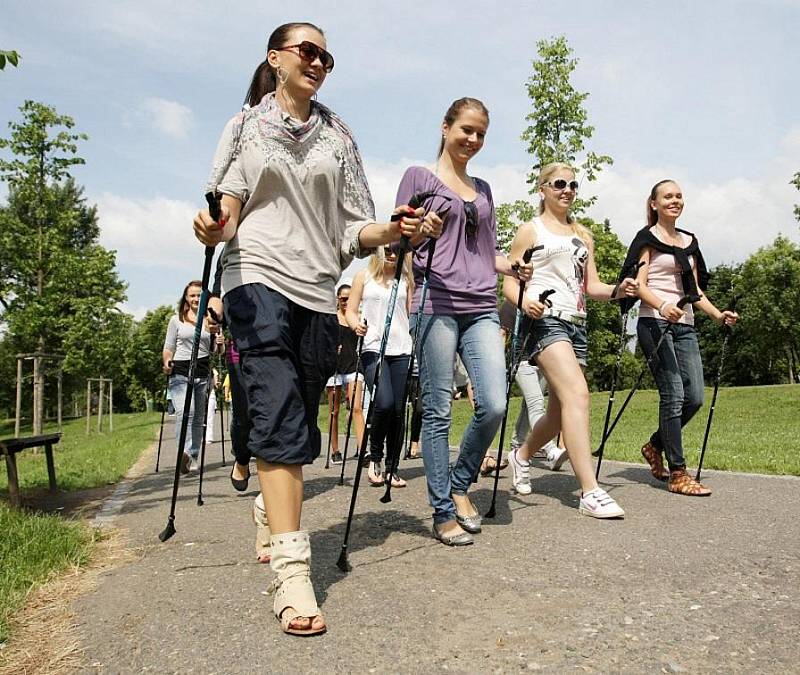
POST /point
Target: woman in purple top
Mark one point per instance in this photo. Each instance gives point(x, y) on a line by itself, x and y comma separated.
point(459, 316)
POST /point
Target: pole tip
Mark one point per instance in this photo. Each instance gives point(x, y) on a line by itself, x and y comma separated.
point(342, 563)
point(169, 530)
point(490, 513)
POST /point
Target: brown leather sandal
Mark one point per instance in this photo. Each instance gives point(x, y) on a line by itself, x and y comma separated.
point(653, 456)
point(682, 483)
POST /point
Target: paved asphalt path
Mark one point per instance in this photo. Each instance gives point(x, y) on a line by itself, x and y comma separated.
point(680, 585)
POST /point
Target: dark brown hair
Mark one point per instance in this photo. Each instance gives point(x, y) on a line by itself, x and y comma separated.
point(455, 110)
point(183, 303)
point(264, 81)
point(652, 216)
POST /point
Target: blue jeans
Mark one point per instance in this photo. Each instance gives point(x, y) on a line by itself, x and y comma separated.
point(678, 372)
point(194, 430)
point(476, 338)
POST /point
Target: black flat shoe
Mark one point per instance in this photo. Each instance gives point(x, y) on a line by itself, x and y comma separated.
point(240, 484)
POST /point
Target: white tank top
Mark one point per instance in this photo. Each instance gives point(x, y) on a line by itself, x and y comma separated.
point(560, 265)
point(374, 305)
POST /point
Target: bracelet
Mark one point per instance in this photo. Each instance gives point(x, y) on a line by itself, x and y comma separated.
point(662, 305)
point(614, 292)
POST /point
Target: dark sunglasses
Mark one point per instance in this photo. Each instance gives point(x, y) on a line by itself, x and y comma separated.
point(561, 184)
point(308, 51)
point(387, 251)
point(471, 212)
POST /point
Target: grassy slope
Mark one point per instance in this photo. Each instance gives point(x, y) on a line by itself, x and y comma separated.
point(755, 429)
point(87, 461)
point(34, 546)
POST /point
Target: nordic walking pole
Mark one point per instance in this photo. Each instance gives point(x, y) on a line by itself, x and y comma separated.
point(209, 385)
point(215, 212)
point(330, 418)
point(393, 461)
point(667, 331)
point(727, 330)
point(161, 431)
point(405, 245)
point(512, 371)
point(352, 405)
point(622, 340)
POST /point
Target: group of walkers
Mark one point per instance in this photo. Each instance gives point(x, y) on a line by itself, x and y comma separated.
point(296, 209)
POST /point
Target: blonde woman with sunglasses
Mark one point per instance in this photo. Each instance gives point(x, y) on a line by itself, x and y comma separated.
point(557, 339)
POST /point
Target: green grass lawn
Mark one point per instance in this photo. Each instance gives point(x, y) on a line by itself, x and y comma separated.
point(34, 546)
point(86, 461)
point(755, 429)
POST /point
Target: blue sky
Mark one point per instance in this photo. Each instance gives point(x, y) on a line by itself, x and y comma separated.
point(706, 93)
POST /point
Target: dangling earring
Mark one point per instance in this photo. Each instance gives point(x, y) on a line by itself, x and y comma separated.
point(281, 74)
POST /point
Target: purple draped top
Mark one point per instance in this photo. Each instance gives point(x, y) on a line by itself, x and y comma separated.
point(463, 278)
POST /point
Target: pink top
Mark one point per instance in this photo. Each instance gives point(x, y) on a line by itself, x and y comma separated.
point(664, 281)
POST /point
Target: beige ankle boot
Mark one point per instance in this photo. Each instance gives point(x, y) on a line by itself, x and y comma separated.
point(294, 594)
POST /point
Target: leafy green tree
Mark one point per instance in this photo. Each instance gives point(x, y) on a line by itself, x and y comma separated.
point(558, 130)
point(143, 357)
point(58, 287)
point(770, 305)
point(796, 182)
point(11, 57)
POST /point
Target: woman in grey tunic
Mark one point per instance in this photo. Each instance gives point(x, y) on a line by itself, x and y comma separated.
point(175, 362)
point(296, 209)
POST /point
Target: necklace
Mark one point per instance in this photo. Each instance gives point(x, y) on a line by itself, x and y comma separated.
point(667, 238)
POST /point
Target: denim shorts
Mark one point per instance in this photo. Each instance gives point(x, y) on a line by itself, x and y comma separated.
point(549, 329)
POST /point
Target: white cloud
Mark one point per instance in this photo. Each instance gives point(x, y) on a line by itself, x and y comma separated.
point(137, 311)
point(170, 117)
point(149, 233)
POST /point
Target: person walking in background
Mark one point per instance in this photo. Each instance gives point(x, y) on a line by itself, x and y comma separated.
point(175, 358)
point(371, 291)
point(342, 382)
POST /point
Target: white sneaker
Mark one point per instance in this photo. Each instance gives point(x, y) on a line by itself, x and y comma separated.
point(194, 466)
point(520, 474)
point(556, 458)
point(599, 504)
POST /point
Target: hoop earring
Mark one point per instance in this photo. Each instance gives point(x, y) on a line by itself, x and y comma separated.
point(281, 75)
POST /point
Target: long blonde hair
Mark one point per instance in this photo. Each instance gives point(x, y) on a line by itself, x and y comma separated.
point(548, 170)
point(375, 268)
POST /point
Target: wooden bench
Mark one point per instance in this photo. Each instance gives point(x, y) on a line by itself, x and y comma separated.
point(11, 446)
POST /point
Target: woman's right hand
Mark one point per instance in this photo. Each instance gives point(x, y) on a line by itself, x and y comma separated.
point(533, 308)
point(166, 366)
point(361, 329)
point(672, 313)
point(209, 231)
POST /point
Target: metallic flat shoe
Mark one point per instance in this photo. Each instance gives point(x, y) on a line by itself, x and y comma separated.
point(471, 524)
point(463, 539)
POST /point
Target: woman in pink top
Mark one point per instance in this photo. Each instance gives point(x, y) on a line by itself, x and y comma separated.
point(673, 268)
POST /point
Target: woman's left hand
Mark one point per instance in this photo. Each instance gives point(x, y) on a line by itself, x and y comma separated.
point(432, 225)
point(629, 287)
point(410, 224)
point(728, 318)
